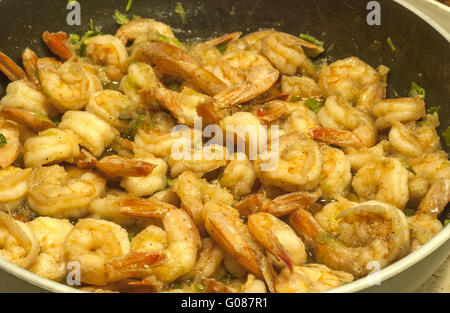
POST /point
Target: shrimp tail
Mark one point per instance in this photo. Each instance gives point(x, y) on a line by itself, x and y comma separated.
point(213, 286)
point(28, 118)
point(116, 166)
point(59, 44)
point(29, 60)
point(10, 68)
point(138, 261)
point(341, 138)
point(144, 208)
point(285, 204)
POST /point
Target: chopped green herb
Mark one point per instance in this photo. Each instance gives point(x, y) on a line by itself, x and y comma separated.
point(162, 38)
point(446, 135)
point(74, 38)
point(125, 118)
point(416, 90)
point(446, 222)
point(409, 212)
point(180, 11)
point(136, 125)
point(130, 2)
point(2, 140)
point(43, 117)
point(314, 105)
point(227, 279)
point(130, 237)
point(199, 287)
point(324, 238)
point(220, 176)
point(330, 48)
point(391, 44)
point(432, 110)
point(406, 165)
point(222, 48)
point(120, 18)
point(135, 17)
point(91, 24)
point(170, 181)
point(83, 42)
point(311, 39)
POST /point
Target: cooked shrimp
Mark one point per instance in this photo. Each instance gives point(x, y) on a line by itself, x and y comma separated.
point(61, 193)
point(102, 249)
point(424, 225)
point(149, 51)
point(209, 259)
point(194, 192)
point(327, 216)
point(239, 175)
point(371, 231)
point(50, 233)
point(302, 120)
point(60, 145)
point(278, 238)
point(17, 242)
point(336, 174)
point(22, 95)
point(300, 88)
point(413, 140)
point(345, 126)
point(117, 166)
point(359, 157)
point(59, 43)
point(385, 180)
point(250, 285)
point(299, 164)
point(110, 53)
point(70, 85)
point(310, 278)
point(401, 110)
point(353, 80)
point(10, 147)
point(94, 133)
point(10, 68)
point(13, 187)
point(29, 60)
point(31, 120)
point(179, 240)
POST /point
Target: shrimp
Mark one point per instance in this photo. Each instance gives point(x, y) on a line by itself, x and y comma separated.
point(354, 81)
point(239, 175)
point(50, 233)
point(300, 88)
point(310, 278)
point(336, 174)
point(194, 192)
point(327, 216)
point(22, 95)
point(33, 121)
point(102, 249)
point(344, 125)
point(384, 180)
point(17, 242)
point(302, 120)
point(223, 224)
point(13, 187)
point(369, 232)
point(424, 225)
point(148, 184)
point(29, 60)
point(59, 43)
point(359, 157)
point(60, 145)
point(278, 238)
point(10, 68)
point(116, 166)
point(250, 285)
point(10, 145)
point(110, 106)
point(182, 105)
point(179, 240)
point(299, 164)
point(110, 53)
point(209, 259)
point(139, 84)
point(280, 206)
point(94, 133)
point(62, 193)
point(412, 140)
point(70, 85)
point(401, 110)
point(207, 54)
point(149, 51)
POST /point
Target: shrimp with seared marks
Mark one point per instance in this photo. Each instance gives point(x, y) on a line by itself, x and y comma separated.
point(10, 147)
point(102, 249)
point(354, 81)
point(18, 245)
point(63, 192)
point(402, 110)
point(310, 278)
point(344, 125)
point(278, 238)
point(424, 225)
point(384, 180)
point(13, 187)
point(279, 206)
point(368, 232)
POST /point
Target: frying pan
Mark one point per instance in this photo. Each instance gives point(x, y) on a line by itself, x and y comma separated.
point(421, 55)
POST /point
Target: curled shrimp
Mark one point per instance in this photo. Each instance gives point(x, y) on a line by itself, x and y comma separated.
point(17, 242)
point(58, 192)
point(70, 85)
point(354, 81)
point(344, 125)
point(300, 88)
point(13, 187)
point(369, 232)
point(359, 157)
point(336, 175)
point(31, 120)
point(110, 53)
point(10, 68)
point(239, 176)
point(116, 166)
point(10, 147)
point(179, 239)
point(401, 110)
point(310, 278)
point(278, 238)
point(384, 180)
point(209, 259)
point(102, 249)
point(59, 43)
point(50, 234)
point(149, 51)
